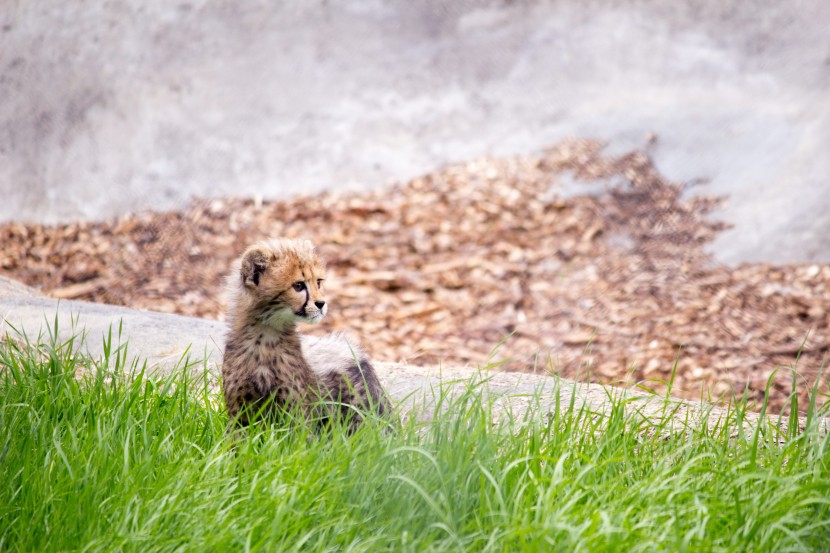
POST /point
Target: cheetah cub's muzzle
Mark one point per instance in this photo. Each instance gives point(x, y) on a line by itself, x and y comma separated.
point(312, 311)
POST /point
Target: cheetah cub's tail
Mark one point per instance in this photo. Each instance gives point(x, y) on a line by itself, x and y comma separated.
point(346, 372)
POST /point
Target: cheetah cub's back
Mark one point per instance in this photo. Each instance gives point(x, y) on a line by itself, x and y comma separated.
point(267, 365)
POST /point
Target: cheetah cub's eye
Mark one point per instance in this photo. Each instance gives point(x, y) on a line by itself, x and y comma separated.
point(319, 282)
point(299, 286)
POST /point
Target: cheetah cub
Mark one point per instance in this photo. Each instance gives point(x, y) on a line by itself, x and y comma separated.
point(268, 367)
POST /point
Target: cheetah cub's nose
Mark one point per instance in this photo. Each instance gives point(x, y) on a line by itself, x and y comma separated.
point(319, 304)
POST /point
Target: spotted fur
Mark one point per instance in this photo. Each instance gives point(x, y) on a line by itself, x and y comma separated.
point(268, 367)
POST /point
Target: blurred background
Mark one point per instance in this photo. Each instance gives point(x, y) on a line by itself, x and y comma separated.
point(115, 106)
point(570, 161)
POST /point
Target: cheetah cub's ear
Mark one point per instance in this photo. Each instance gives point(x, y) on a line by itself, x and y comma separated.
point(254, 263)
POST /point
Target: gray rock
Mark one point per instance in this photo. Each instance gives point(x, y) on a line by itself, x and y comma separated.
point(9, 287)
point(165, 340)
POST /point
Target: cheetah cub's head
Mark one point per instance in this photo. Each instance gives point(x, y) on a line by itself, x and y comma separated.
point(280, 283)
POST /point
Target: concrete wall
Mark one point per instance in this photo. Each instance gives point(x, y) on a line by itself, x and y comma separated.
point(110, 107)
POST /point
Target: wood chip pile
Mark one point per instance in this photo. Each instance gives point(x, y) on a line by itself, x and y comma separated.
point(613, 287)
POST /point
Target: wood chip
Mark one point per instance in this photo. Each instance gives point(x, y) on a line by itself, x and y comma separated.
point(445, 267)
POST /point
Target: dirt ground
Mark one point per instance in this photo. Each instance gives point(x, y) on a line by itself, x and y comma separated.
point(485, 264)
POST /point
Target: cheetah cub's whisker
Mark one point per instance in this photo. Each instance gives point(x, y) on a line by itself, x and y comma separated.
point(268, 367)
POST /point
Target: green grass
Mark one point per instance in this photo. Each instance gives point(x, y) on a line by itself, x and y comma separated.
point(116, 459)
